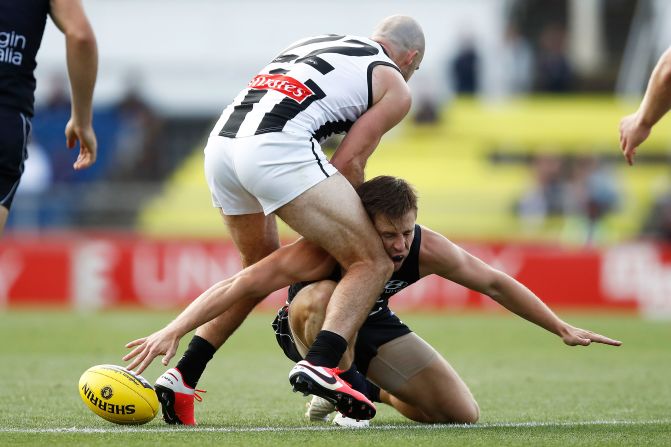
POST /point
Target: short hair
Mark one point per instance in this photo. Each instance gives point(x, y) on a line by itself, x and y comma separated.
point(391, 196)
point(401, 31)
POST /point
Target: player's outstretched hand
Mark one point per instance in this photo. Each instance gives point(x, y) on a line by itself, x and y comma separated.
point(632, 134)
point(574, 336)
point(163, 342)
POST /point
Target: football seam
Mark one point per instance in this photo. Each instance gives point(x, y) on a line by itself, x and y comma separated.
point(139, 395)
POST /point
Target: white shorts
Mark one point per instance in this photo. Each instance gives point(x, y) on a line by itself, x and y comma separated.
point(262, 172)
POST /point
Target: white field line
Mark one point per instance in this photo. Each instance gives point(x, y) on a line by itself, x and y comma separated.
point(314, 428)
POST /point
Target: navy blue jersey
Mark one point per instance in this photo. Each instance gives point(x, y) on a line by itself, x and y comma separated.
point(406, 275)
point(22, 25)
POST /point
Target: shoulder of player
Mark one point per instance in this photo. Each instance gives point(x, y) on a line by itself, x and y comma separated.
point(388, 80)
point(388, 76)
point(436, 252)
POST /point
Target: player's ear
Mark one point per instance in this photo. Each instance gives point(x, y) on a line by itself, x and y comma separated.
point(410, 57)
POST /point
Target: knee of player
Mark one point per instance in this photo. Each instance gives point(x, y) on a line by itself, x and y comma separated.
point(313, 299)
point(320, 295)
point(449, 413)
point(472, 415)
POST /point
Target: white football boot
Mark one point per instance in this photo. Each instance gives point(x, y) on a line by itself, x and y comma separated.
point(344, 421)
point(176, 398)
point(319, 409)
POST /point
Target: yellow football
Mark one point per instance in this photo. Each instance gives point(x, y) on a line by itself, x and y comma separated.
point(118, 395)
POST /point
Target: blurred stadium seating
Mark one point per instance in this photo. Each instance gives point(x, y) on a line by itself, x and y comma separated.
point(508, 91)
point(470, 168)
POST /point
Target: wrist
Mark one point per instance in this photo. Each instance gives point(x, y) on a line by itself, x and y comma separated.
point(643, 122)
point(562, 329)
point(175, 330)
point(81, 120)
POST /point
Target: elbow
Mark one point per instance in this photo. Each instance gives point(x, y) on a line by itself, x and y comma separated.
point(664, 69)
point(495, 294)
point(81, 38)
point(664, 72)
point(494, 288)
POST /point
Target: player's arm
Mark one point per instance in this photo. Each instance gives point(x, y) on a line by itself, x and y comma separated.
point(82, 62)
point(635, 128)
point(391, 102)
point(300, 261)
point(441, 257)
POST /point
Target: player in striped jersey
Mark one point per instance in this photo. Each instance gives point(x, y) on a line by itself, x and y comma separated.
point(263, 159)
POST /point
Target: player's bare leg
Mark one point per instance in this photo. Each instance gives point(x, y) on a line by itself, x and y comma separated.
point(307, 312)
point(436, 394)
point(433, 394)
point(255, 236)
point(331, 215)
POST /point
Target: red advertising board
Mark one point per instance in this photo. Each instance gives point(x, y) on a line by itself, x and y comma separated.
point(102, 271)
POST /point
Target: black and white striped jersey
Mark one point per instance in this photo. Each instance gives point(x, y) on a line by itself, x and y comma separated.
point(316, 87)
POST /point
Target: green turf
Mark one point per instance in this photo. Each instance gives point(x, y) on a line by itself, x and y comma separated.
point(517, 372)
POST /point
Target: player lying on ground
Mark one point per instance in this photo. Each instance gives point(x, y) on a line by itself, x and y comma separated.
point(407, 372)
point(303, 261)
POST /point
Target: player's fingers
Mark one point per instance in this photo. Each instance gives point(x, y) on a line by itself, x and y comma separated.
point(131, 366)
point(598, 338)
point(146, 362)
point(70, 140)
point(137, 342)
point(83, 161)
point(629, 153)
point(133, 353)
point(169, 354)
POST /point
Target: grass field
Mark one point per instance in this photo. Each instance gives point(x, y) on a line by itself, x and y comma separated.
point(532, 390)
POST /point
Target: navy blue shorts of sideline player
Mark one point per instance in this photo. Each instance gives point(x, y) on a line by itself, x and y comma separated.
point(14, 134)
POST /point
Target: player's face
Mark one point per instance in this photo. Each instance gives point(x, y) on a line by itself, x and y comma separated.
point(397, 235)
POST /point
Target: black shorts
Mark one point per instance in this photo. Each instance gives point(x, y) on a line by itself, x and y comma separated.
point(14, 133)
point(376, 331)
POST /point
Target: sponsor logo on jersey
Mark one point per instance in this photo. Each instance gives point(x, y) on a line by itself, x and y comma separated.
point(286, 85)
point(394, 285)
point(11, 47)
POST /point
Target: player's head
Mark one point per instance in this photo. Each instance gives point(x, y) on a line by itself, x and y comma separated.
point(403, 39)
point(391, 203)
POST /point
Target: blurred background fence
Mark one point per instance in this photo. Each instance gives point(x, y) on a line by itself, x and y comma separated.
point(512, 143)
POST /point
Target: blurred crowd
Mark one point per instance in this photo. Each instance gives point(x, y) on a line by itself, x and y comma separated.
point(579, 191)
point(140, 146)
point(129, 133)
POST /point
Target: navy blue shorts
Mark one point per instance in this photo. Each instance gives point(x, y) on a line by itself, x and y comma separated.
point(376, 331)
point(14, 134)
